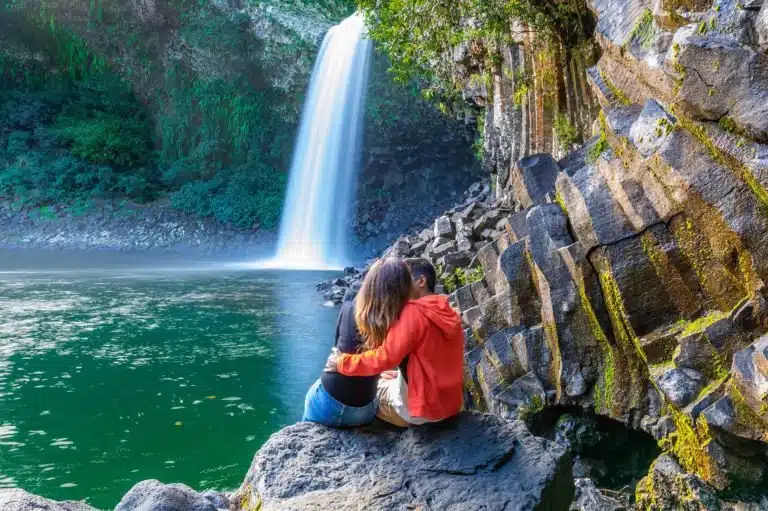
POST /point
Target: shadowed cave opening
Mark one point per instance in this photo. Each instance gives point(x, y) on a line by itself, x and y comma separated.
point(614, 456)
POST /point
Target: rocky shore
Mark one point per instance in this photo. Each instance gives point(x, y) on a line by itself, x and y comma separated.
point(474, 461)
point(125, 226)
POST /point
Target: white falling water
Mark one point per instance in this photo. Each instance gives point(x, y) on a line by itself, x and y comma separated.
point(313, 229)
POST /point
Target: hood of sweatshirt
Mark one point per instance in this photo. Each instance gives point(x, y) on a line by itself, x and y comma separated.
point(440, 313)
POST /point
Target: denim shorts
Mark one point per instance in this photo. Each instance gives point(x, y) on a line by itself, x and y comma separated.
point(320, 407)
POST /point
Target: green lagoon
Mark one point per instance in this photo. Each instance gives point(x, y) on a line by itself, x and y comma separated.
point(115, 373)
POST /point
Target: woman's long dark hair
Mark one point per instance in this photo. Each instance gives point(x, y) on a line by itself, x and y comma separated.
point(382, 297)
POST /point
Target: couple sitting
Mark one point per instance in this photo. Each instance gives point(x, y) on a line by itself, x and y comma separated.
point(399, 353)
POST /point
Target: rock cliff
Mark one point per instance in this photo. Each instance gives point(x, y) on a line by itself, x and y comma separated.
point(629, 276)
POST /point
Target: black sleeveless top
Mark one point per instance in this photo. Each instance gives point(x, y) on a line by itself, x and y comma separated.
point(354, 391)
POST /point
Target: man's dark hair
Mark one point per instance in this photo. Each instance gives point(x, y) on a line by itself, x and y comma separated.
point(421, 267)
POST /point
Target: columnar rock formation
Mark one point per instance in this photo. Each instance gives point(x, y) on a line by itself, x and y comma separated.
point(630, 276)
point(536, 98)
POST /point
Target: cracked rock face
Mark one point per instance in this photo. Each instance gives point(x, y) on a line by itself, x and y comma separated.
point(472, 462)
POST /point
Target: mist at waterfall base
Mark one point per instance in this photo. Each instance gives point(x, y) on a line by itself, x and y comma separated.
point(314, 229)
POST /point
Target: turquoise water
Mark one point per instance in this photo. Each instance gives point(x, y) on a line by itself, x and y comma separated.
point(109, 377)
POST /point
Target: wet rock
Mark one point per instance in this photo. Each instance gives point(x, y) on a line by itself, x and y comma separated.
point(681, 386)
point(335, 294)
point(20, 500)
point(589, 498)
point(307, 466)
point(153, 495)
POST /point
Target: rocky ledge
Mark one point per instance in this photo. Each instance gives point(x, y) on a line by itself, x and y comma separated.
point(475, 461)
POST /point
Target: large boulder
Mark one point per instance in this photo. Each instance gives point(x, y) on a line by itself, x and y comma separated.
point(19, 500)
point(474, 461)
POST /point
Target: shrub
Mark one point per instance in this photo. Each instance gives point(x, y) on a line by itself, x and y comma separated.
point(462, 277)
point(105, 138)
point(566, 132)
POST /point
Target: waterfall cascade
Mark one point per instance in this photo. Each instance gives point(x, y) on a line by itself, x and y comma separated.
point(313, 229)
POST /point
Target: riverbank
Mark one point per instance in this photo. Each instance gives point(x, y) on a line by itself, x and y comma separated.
point(127, 226)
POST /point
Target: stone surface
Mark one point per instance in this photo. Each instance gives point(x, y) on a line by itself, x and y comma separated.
point(533, 178)
point(153, 495)
point(589, 498)
point(473, 462)
point(668, 486)
point(738, 81)
point(651, 128)
point(20, 500)
point(761, 27)
point(695, 352)
point(681, 386)
point(444, 228)
point(750, 375)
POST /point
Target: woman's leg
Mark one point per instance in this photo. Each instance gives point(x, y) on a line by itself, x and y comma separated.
point(386, 390)
point(320, 407)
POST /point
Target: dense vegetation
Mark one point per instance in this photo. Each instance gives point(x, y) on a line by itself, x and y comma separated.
point(111, 99)
point(418, 35)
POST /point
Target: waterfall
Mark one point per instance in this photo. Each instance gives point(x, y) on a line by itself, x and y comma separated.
point(326, 159)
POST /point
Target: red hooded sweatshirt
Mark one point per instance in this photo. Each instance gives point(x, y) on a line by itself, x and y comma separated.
point(428, 332)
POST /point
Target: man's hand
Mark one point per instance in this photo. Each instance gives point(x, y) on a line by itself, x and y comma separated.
point(333, 358)
point(389, 375)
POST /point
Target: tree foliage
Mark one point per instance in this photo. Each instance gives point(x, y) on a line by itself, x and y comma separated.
point(106, 109)
point(419, 36)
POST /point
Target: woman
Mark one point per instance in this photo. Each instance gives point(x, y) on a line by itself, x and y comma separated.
point(426, 330)
point(344, 401)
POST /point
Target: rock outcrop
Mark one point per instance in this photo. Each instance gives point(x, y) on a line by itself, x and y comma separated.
point(155, 496)
point(472, 462)
point(20, 500)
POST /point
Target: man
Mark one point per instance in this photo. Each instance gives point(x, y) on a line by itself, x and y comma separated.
point(427, 345)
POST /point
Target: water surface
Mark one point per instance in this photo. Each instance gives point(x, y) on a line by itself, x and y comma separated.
point(116, 374)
